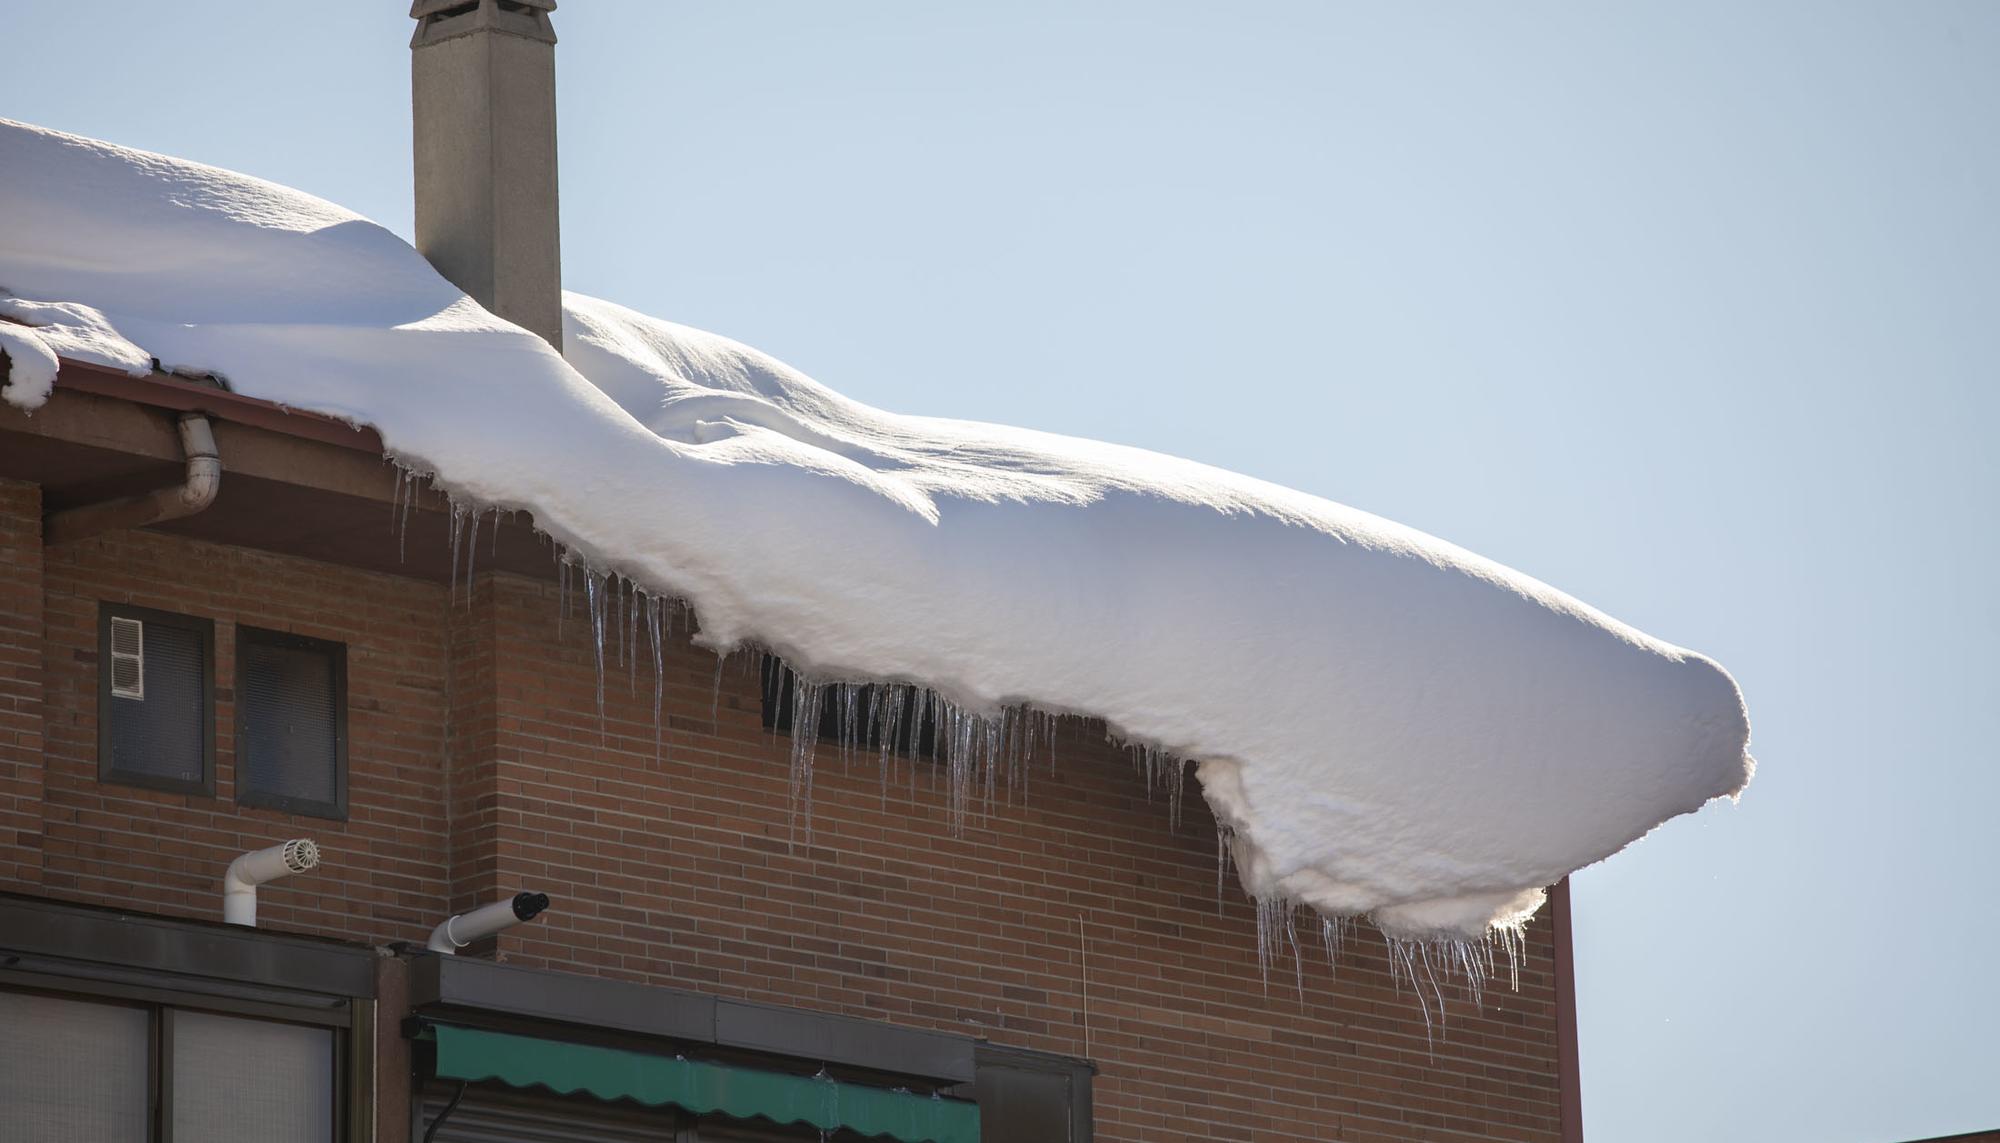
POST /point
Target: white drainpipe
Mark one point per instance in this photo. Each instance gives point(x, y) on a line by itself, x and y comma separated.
point(239, 885)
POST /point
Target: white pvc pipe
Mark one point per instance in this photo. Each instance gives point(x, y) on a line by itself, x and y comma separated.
point(239, 885)
point(461, 930)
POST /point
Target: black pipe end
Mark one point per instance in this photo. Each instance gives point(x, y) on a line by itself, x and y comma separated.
point(527, 906)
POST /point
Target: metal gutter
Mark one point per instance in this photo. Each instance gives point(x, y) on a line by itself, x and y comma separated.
point(164, 391)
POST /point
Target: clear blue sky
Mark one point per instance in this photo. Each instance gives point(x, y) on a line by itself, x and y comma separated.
point(1691, 309)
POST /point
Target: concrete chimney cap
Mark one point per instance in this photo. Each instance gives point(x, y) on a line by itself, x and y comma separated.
point(422, 8)
point(441, 20)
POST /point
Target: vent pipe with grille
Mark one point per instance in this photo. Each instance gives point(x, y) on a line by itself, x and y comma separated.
point(483, 126)
point(239, 885)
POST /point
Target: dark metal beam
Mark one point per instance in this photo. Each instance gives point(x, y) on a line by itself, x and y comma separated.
point(442, 984)
point(51, 937)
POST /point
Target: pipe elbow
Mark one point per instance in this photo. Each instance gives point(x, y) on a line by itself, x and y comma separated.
point(199, 486)
point(461, 929)
point(249, 870)
point(442, 940)
point(204, 466)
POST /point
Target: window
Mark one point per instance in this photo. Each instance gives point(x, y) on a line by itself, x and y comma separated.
point(291, 723)
point(79, 1069)
point(251, 1079)
point(70, 1070)
point(155, 699)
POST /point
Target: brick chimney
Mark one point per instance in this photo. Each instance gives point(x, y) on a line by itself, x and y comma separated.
point(483, 96)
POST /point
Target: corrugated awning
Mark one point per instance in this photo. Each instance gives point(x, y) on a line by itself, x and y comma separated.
point(474, 1054)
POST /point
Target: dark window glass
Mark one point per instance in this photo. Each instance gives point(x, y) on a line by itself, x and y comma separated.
point(155, 699)
point(291, 697)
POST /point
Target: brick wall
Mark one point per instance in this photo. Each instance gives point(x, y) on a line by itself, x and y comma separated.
point(1073, 918)
point(385, 866)
point(20, 684)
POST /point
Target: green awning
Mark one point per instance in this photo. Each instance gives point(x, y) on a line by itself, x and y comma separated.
point(742, 1093)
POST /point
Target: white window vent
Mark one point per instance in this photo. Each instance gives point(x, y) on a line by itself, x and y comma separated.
point(128, 658)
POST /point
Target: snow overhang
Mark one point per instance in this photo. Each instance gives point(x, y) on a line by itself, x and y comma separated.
point(1388, 725)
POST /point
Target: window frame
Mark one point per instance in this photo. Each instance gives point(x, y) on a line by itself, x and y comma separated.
point(204, 629)
point(161, 1003)
point(336, 652)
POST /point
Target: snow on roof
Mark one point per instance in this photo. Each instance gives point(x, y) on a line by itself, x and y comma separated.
point(1386, 724)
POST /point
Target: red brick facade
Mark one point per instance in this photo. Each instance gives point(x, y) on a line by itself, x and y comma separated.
point(1071, 917)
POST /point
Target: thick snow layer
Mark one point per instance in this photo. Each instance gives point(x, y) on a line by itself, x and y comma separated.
point(1388, 724)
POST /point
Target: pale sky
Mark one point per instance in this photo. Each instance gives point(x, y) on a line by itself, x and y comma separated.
point(1690, 309)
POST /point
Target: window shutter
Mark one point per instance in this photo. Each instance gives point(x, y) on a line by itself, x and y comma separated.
point(494, 1117)
point(71, 1070)
point(251, 1081)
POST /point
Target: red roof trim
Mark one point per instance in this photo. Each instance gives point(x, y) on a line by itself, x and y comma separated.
point(165, 391)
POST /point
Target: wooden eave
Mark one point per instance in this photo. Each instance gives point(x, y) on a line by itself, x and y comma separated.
point(294, 482)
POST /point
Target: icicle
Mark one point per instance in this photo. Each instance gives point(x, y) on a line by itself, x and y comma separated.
point(653, 635)
point(406, 484)
point(715, 696)
point(1330, 939)
point(1030, 732)
point(807, 697)
point(457, 533)
point(562, 591)
point(1515, 940)
point(895, 699)
point(990, 757)
point(921, 712)
point(959, 762)
point(1223, 837)
point(616, 651)
point(471, 550)
point(595, 599)
point(1011, 734)
point(1402, 963)
point(846, 700)
point(633, 601)
point(1267, 918)
point(872, 737)
point(403, 527)
point(1298, 961)
point(1430, 977)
